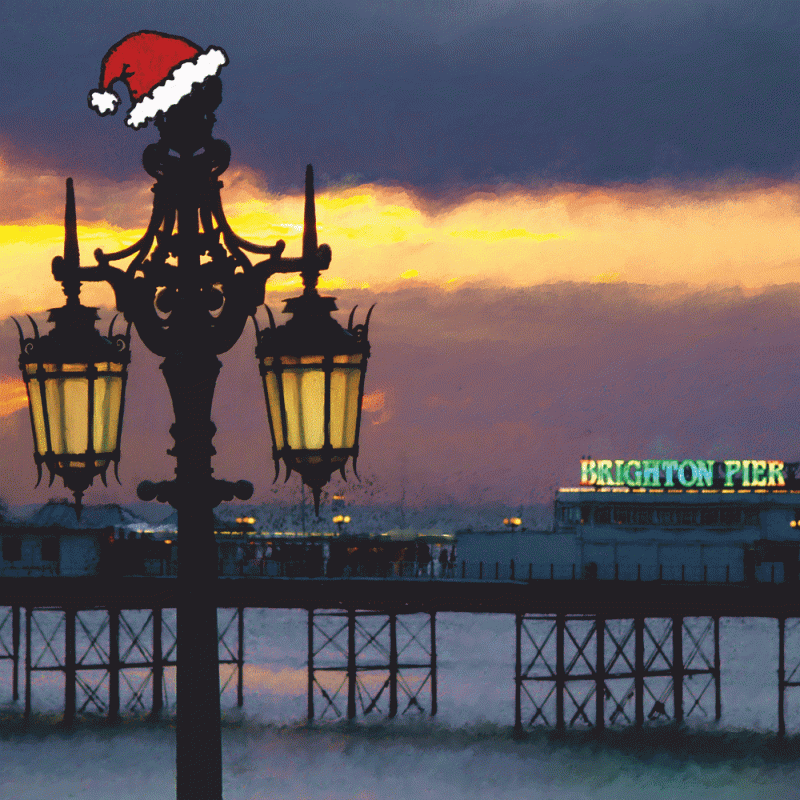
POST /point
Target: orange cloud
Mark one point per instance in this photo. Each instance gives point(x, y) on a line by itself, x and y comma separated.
point(715, 234)
point(13, 396)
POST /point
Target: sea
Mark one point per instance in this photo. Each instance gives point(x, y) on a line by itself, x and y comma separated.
point(468, 750)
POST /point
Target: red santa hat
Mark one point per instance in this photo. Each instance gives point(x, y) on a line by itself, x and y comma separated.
point(158, 69)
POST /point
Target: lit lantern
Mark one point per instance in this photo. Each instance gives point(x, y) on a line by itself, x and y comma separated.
point(75, 379)
point(313, 373)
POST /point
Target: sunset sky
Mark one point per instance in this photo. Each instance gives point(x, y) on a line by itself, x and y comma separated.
point(579, 220)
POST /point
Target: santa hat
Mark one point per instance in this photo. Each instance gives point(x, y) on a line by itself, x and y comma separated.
point(158, 69)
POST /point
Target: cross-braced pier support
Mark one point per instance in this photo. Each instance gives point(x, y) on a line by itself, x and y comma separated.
point(9, 644)
point(788, 649)
point(574, 671)
point(110, 658)
point(386, 663)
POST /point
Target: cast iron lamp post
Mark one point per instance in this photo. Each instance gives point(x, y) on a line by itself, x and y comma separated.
point(189, 290)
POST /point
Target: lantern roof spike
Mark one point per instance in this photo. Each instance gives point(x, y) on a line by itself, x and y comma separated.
point(71, 251)
point(309, 217)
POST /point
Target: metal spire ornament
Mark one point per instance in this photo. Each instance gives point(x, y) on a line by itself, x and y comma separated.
point(75, 379)
point(313, 374)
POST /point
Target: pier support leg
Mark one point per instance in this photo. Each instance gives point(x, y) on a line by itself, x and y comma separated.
point(158, 666)
point(717, 674)
point(600, 674)
point(113, 664)
point(392, 665)
point(69, 665)
point(351, 664)
point(781, 675)
point(28, 663)
point(518, 677)
point(434, 680)
point(639, 671)
point(677, 667)
point(15, 653)
point(560, 674)
point(240, 661)
point(310, 664)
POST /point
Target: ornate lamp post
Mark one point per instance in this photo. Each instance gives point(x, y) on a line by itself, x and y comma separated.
point(189, 288)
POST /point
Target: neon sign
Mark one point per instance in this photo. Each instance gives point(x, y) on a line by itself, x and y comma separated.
point(687, 473)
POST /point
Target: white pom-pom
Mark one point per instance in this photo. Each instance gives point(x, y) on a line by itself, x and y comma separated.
point(103, 102)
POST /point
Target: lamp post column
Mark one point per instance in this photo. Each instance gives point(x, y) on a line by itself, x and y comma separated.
point(191, 377)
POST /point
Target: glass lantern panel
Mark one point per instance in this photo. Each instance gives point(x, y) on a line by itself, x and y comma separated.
point(107, 402)
point(312, 399)
point(274, 407)
point(68, 411)
point(291, 400)
point(344, 401)
point(304, 398)
point(37, 412)
point(74, 367)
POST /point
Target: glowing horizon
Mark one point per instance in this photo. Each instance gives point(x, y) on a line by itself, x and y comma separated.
point(385, 236)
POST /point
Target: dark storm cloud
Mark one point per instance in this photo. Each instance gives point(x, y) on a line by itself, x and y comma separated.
point(433, 94)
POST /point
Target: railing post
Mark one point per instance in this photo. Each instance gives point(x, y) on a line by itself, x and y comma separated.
point(463, 569)
point(552, 572)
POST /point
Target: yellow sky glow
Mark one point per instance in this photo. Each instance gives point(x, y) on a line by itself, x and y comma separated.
point(746, 235)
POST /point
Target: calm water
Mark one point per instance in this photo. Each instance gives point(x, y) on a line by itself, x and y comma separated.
point(467, 752)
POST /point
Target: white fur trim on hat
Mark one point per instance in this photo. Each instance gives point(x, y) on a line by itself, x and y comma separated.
point(169, 92)
point(103, 102)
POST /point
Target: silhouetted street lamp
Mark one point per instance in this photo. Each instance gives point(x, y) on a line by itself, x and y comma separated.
point(512, 523)
point(189, 289)
point(340, 520)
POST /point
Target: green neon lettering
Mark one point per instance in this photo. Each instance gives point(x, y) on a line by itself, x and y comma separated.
point(651, 473)
point(731, 468)
point(636, 480)
point(775, 477)
point(588, 472)
point(619, 472)
point(759, 468)
point(604, 474)
point(669, 468)
point(692, 479)
point(705, 473)
point(745, 473)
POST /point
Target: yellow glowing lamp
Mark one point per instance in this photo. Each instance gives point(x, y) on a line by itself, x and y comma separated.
point(75, 379)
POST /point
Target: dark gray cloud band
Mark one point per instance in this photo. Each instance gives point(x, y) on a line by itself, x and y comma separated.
point(437, 95)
